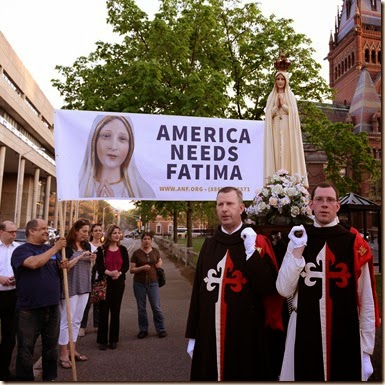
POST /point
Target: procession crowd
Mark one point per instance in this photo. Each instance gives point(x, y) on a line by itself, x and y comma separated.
point(34, 279)
point(256, 314)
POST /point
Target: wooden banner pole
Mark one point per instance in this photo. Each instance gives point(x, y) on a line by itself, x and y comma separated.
point(66, 295)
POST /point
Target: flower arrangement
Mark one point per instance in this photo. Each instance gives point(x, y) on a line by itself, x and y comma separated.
point(283, 200)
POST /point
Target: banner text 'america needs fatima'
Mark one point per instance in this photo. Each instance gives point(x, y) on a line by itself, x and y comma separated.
point(205, 151)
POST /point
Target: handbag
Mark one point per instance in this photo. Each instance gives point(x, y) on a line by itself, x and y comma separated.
point(161, 276)
point(99, 290)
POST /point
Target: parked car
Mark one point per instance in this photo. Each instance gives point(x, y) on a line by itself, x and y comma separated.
point(20, 236)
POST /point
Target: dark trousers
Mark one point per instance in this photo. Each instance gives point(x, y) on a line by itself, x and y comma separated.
point(111, 306)
point(32, 323)
point(7, 317)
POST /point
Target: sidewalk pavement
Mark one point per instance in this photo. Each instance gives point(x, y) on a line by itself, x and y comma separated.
point(136, 360)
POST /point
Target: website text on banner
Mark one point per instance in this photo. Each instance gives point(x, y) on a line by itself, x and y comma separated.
point(103, 155)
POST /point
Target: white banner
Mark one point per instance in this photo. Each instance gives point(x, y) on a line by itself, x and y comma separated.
point(101, 155)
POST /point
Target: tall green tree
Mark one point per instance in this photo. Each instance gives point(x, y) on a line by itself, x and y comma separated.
point(195, 57)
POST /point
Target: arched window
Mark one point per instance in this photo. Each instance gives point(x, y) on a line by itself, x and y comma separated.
point(352, 58)
point(379, 57)
point(374, 56)
point(339, 70)
point(349, 62)
point(335, 73)
point(367, 55)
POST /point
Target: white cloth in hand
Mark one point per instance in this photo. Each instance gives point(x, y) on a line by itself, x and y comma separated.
point(367, 367)
point(190, 347)
point(298, 241)
point(249, 237)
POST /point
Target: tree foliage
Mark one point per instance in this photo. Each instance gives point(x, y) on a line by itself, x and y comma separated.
point(209, 58)
point(344, 149)
point(212, 58)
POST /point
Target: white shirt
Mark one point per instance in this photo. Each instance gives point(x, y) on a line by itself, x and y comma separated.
point(5, 263)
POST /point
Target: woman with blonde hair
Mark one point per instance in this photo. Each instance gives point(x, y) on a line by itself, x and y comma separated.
point(108, 168)
point(283, 138)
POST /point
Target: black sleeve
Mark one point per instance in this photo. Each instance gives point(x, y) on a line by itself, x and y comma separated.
point(100, 267)
point(262, 274)
point(125, 264)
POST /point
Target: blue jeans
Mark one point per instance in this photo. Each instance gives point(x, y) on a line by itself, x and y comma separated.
point(30, 324)
point(152, 291)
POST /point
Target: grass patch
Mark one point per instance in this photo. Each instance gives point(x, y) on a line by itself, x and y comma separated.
point(196, 243)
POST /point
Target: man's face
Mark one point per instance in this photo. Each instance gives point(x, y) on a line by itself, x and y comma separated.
point(325, 205)
point(40, 234)
point(8, 235)
point(229, 210)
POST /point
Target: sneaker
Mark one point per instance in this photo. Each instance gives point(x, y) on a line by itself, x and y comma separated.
point(162, 334)
point(142, 334)
point(102, 346)
point(82, 332)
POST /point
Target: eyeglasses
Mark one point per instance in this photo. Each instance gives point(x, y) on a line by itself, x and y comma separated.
point(328, 200)
point(10, 231)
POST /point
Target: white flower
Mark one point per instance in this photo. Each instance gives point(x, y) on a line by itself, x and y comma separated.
point(285, 201)
point(273, 201)
point(291, 191)
point(294, 211)
point(284, 194)
point(277, 189)
point(262, 207)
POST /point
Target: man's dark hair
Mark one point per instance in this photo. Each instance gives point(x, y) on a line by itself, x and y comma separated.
point(324, 185)
point(31, 225)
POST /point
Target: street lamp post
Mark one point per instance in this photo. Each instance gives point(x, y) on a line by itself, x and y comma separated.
point(16, 219)
point(104, 209)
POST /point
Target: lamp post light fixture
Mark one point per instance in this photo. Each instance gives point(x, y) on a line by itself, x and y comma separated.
point(16, 219)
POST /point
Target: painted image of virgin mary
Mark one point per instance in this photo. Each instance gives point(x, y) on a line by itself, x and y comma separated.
point(108, 168)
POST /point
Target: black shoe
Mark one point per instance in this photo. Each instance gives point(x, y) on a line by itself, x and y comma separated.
point(102, 346)
point(113, 345)
point(142, 334)
point(162, 334)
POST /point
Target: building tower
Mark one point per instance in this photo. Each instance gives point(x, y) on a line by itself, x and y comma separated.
point(355, 44)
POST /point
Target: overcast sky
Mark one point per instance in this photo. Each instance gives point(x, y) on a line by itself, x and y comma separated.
point(45, 33)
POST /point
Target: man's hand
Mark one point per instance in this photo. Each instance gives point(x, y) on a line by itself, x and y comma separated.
point(64, 264)
point(367, 367)
point(60, 244)
point(190, 347)
point(249, 237)
point(298, 236)
point(298, 241)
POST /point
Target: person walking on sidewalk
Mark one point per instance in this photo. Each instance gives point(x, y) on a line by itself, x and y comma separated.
point(144, 263)
point(111, 262)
